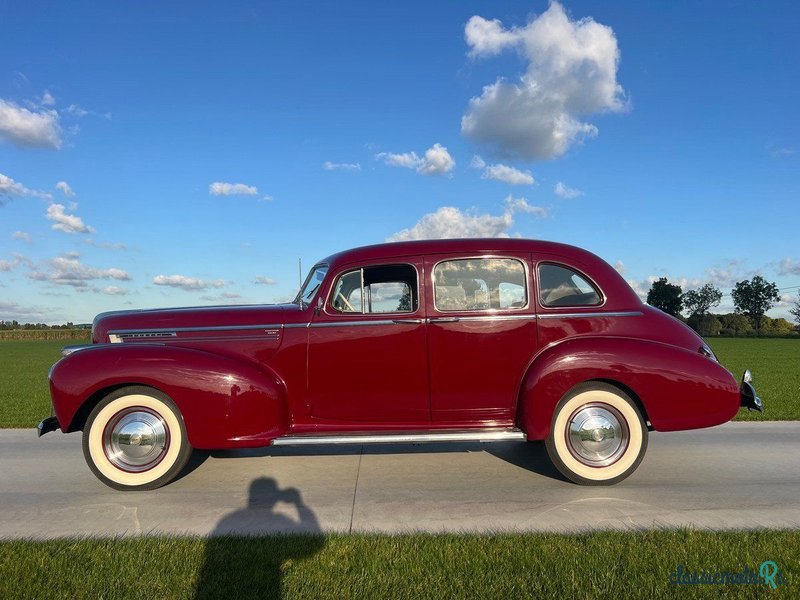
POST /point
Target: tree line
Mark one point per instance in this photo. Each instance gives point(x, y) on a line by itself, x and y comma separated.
point(751, 298)
point(15, 325)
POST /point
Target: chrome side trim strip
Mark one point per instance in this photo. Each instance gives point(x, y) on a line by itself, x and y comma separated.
point(172, 330)
point(352, 323)
point(492, 435)
point(624, 313)
point(295, 325)
point(67, 350)
point(499, 318)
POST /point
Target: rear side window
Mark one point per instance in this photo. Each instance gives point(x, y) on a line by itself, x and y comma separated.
point(560, 285)
point(480, 284)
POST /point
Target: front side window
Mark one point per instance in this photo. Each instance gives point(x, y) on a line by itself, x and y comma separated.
point(480, 284)
point(380, 289)
point(560, 285)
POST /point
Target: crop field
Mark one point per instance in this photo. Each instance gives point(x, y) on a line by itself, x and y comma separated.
point(775, 363)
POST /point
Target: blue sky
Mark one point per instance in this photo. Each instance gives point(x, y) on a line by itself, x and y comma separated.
point(672, 131)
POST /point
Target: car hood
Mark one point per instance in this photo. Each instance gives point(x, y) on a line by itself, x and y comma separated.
point(200, 316)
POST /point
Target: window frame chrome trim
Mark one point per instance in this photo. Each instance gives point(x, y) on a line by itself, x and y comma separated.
point(483, 311)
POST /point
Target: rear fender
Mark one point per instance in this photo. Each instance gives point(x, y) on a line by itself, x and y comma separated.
point(225, 403)
point(678, 389)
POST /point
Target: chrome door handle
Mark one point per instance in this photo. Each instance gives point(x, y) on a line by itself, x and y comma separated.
point(444, 320)
point(407, 321)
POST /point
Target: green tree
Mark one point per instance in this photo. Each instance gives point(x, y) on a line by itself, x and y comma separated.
point(701, 300)
point(735, 324)
point(705, 325)
point(796, 311)
point(754, 298)
point(665, 296)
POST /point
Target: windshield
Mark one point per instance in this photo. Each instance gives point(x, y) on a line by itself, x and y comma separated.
point(312, 283)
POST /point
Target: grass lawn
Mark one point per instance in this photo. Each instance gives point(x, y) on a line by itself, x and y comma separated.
point(775, 363)
point(593, 565)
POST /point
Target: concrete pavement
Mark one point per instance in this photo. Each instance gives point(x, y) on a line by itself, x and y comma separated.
point(740, 475)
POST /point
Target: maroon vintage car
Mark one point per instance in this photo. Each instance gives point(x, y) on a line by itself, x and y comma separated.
point(446, 340)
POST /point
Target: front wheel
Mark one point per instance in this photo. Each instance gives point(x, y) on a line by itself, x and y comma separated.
point(598, 435)
point(135, 439)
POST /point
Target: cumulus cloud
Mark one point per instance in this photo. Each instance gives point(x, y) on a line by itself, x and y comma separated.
point(571, 72)
point(48, 99)
point(10, 189)
point(12, 311)
point(789, 266)
point(23, 236)
point(29, 128)
point(66, 222)
point(262, 280)
point(67, 269)
point(220, 188)
point(619, 267)
point(451, 222)
point(564, 191)
point(508, 175)
point(187, 283)
point(225, 297)
point(64, 187)
point(332, 166)
point(436, 161)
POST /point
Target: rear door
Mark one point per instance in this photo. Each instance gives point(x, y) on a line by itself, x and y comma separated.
point(481, 335)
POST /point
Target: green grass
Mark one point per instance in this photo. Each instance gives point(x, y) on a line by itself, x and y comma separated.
point(593, 565)
point(775, 363)
point(24, 394)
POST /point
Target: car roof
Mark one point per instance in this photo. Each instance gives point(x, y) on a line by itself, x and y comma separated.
point(465, 245)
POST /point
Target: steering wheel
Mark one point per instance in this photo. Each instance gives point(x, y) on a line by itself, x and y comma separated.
point(349, 306)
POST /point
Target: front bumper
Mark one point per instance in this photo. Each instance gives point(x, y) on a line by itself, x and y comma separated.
point(46, 426)
point(747, 394)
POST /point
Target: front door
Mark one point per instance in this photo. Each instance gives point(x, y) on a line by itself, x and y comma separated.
point(481, 336)
point(367, 355)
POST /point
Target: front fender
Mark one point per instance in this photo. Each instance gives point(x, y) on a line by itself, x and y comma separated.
point(678, 388)
point(225, 403)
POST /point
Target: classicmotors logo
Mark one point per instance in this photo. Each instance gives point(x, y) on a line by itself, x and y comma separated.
point(767, 573)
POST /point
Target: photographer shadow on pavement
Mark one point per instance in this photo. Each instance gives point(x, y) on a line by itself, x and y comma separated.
point(239, 565)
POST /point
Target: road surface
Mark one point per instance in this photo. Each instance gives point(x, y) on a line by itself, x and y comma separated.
point(740, 475)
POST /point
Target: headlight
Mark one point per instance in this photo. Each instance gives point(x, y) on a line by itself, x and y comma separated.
point(707, 352)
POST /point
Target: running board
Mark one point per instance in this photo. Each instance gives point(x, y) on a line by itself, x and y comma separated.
point(464, 435)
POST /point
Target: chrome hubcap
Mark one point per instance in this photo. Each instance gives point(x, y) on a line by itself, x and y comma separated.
point(597, 435)
point(136, 439)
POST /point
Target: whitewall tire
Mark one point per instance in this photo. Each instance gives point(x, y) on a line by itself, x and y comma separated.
point(598, 435)
point(135, 439)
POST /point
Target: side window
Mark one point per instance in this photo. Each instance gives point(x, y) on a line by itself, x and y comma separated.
point(480, 284)
point(561, 286)
point(383, 289)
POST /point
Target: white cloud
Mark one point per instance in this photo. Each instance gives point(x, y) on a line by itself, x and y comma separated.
point(332, 166)
point(789, 266)
point(7, 265)
point(48, 99)
point(563, 191)
point(508, 175)
point(113, 290)
point(29, 129)
point(619, 267)
point(477, 162)
point(77, 111)
point(187, 283)
point(10, 189)
point(262, 280)
point(437, 160)
point(451, 222)
point(63, 186)
point(12, 311)
point(571, 72)
point(104, 245)
point(220, 188)
point(22, 236)
point(65, 222)
point(68, 270)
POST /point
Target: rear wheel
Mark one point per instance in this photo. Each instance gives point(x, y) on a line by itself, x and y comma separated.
point(135, 439)
point(598, 435)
